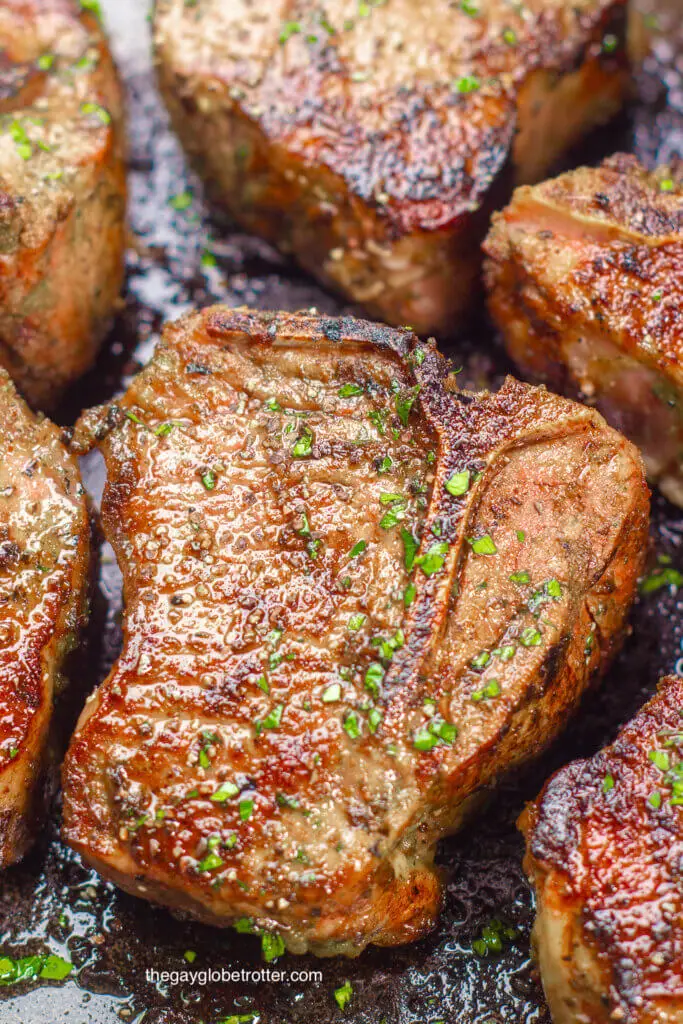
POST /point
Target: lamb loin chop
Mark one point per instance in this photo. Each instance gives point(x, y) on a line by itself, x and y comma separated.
point(353, 597)
point(585, 274)
point(604, 851)
point(44, 562)
point(62, 193)
point(372, 140)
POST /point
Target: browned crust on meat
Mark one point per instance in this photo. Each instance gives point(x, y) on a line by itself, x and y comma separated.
point(44, 570)
point(360, 153)
point(62, 194)
point(604, 851)
point(542, 461)
point(585, 282)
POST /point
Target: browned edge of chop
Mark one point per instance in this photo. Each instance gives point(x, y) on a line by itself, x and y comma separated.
point(604, 853)
point(328, 652)
point(374, 149)
point(62, 193)
point(584, 276)
point(44, 578)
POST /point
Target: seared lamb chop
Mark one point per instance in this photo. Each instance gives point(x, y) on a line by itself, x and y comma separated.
point(44, 561)
point(373, 140)
point(585, 276)
point(605, 849)
point(353, 597)
point(62, 193)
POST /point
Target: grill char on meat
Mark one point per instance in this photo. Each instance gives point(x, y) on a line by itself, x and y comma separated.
point(374, 148)
point(44, 562)
point(62, 193)
point(604, 851)
point(353, 597)
point(585, 277)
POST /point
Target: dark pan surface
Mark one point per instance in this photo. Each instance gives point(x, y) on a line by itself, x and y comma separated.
point(178, 260)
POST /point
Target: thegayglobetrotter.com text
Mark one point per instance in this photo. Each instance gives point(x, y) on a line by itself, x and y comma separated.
point(243, 975)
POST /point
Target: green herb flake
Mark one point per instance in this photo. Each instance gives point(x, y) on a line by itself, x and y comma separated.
point(357, 550)
point(520, 577)
point(208, 478)
point(272, 946)
point(531, 637)
point(410, 548)
point(655, 800)
point(272, 720)
point(404, 402)
point(409, 595)
point(374, 675)
point(488, 692)
point(246, 808)
point(374, 719)
point(181, 202)
point(352, 725)
point(95, 110)
point(467, 84)
point(45, 61)
point(210, 862)
point(433, 559)
point(356, 622)
point(607, 783)
point(189, 956)
point(332, 694)
point(481, 660)
point(304, 445)
point(289, 29)
point(459, 483)
point(226, 791)
point(661, 578)
point(483, 545)
point(350, 391)
point(343, 995)
point(660, 759)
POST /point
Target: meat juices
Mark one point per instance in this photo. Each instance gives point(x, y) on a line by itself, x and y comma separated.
point(372, 141)
point(353, 597)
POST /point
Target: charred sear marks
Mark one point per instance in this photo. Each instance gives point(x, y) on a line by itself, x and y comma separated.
point(44, 563)
point(584, 276)
point(371, 141)
point(604, 850)
point(353, 597)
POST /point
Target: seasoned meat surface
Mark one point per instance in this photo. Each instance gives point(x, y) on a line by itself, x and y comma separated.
point(371, 141)
point(44, 561)
point(62, 193)
point(604, 851)
point(353, 597)
point(586, 282)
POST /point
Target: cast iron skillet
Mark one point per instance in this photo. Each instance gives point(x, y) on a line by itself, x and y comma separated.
point(179, 259)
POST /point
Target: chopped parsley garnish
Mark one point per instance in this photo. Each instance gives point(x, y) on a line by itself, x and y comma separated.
point(409, 594)
point(181, 202)
point(208, 478)
point(459, 483)
point(272, 946)
point(350, 391)
point(332, 694)
point(210, 862)
point(385, 465)
point(304, 445)
point(492, 689)
point(467, 84)
point(661, 578)
point(357, 549)
point(48, 967)
point(343, 994)
point(97, 111)
point(482, 545)
point(352, 725)
point(246, 808)
point(530, 637)
point(374, 719)
point(433, 559)
point(289, 29)
point(607, 783)
point(374, 674)
point(410, 548)
point(404, 402)
point(272, 720)
point(356, 622)
point(520, 577)
point(226, 791)
point(436, 732)
point(481, 660)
